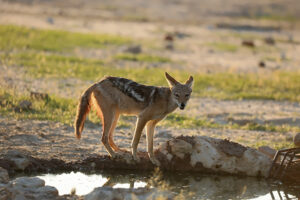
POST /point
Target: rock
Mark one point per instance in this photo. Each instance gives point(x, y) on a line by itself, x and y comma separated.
point(4, 178)
point(48, 191)
point(267, 151)
point(181, 35)
point(169, 46)
point(31, 188)
point(297, 140)
point(180, 147)
point(248, 43)
point(262, 64)
point(169, 37)
point(135, 49)
point(28, 182)
point(5, 193)
point(203, 153)
point(20, 160)
point(50, 20)
point(108, 193)
point(21, 163)
point(269, 40)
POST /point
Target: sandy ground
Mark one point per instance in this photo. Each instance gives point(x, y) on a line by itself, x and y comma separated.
point(192, 53)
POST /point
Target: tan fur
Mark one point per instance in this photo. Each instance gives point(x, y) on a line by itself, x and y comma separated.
point(110, 102)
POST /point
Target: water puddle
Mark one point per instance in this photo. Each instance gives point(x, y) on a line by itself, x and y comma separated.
point(189, 185)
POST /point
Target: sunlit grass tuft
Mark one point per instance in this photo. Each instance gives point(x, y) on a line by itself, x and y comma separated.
point(142, 58)
point(221, 46)
point(17, 37)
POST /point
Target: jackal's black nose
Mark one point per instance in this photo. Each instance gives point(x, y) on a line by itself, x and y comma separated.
point(182, 106)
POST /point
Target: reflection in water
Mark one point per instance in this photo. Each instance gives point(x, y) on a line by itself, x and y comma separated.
point(65, 182)
point(189, 185)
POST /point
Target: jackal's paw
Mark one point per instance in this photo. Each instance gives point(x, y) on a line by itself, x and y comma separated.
point(116, 156)
point(154, 161)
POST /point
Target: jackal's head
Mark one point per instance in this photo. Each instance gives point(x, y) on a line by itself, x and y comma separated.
point(180, 92)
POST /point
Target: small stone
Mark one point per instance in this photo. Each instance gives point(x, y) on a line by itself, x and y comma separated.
point(135, 49)
point(47, 191)
point(169, 37)
point(267, 151)
point(297, 140)
point(4, 178)
point(262, 64)
point(248, 43)
point(28, 182)
point(5, 193)
point(270, 40)
point(50, 20)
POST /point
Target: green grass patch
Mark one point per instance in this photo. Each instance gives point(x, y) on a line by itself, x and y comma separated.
point(50, 65)
point(63, 110)
point(53, 109)
point(17, 37)
point(222, 46)
point(272, 17)
point(275, 85)
point(181, 121)
point(142, 58)
point(274, 145)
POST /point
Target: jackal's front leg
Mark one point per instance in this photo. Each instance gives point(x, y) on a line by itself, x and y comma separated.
point(150, 133)
point(140, 124)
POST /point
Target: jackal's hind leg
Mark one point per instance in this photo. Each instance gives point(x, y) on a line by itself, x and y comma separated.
point(121, 153)
point(111, 133)
point(108, 118)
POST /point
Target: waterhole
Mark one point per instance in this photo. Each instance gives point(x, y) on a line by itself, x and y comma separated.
point(192, 186)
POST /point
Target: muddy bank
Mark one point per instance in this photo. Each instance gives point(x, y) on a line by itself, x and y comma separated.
point(183, 153)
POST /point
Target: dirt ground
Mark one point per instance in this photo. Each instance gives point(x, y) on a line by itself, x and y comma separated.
point(146, 21)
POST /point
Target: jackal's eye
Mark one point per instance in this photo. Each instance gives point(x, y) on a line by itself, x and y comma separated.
point(187, 95)
point(176, 95)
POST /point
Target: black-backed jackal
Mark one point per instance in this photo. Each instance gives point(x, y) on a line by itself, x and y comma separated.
point(113, 96)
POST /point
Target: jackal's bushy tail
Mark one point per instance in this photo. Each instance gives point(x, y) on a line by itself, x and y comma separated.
point(83, 109)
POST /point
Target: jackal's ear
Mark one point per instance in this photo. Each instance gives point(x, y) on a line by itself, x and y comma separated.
point(171, 81)
point(189, 82)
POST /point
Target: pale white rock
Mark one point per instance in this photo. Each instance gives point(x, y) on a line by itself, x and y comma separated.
point(254, 163)
point(218, 155)
point(227, 164)
point(180, 147)
point(204, 153)
point(268, 151)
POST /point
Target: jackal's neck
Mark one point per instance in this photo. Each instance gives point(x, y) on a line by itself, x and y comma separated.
point(170, 101)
